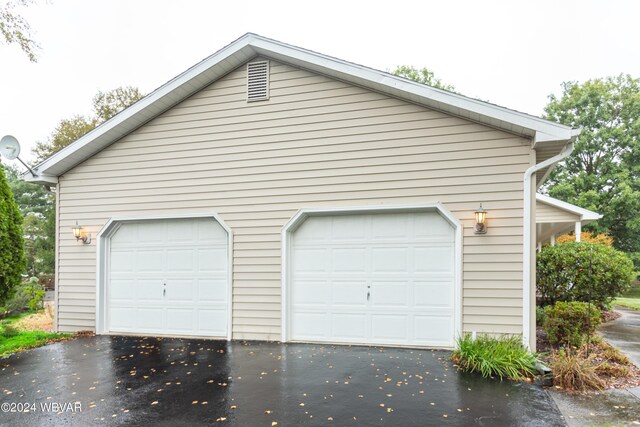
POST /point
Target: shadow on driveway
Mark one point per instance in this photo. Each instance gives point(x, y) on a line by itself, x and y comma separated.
point(152, 381)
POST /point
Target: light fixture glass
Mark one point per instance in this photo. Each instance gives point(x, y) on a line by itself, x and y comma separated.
point(80, 235)
point(481, 218)
point(77, 231)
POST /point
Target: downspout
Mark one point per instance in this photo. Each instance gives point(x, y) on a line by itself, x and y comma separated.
point(526, 257)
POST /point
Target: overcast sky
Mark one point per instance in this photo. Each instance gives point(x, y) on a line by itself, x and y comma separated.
point(512, 53)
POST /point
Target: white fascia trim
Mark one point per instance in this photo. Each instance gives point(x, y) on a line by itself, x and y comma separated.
point(526, 250)
point(143, 104)
point(299, 217)
point(102, 249)
point(585, 214)
point(542, 130)
point(40, 178)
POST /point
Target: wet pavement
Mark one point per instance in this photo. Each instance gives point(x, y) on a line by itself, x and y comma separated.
point(167, 382)
point(624, 333)
point(611, 407)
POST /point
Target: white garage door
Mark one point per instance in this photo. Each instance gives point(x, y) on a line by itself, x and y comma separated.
point(169, 277)
point(373, 279)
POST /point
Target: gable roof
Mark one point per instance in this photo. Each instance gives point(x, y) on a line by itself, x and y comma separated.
point(583, 214)
point(252, 45)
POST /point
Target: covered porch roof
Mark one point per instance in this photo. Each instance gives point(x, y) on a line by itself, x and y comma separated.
point(554, 217)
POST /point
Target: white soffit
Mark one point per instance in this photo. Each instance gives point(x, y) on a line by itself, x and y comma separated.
point(251, 45)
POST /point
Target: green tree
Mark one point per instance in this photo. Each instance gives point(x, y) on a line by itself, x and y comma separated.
point(32, 199)
point(36, 205)
point(423, 75)
point(105, 106)
point(603, 173)
point(67, 131)
point(108, 104)
point(14, 29)
point(12, 260)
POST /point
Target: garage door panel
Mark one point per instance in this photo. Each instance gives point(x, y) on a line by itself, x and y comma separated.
point(390, 294)
point(209, 231)
point(390, 227)
point(348, 326)
point(181, 320)
point(311, 261)
point(126, 235)
point(404, 261)
point(121, 318)
point(149, 319)
point(150, 260)
point(180, 260)
point(389, 260)
point(311, 293)
point(169, 277)
point(150, 233)
point(432, 295)
point(212, 291)
point(180, 291)
point(351, 294)
point(433, 330)
point(122, 291)
point(346, 228)
point(313, 232)
point(390, 328)
point(123, 261)
point(349, 260)
point(431, 226)
point(181, 232)
point(433, 259)
point(310, 325)
point(147, 290)
point(212, 260)
point(212, 322)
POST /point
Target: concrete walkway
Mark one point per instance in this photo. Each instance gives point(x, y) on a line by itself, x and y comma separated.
point(615, 407)
point(624, 333)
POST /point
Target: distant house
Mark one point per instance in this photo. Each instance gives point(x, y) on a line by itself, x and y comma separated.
point(274, 193)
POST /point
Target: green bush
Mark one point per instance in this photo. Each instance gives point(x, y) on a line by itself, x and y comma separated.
point(564, 274)
point(568, 323)
point(28, 295)
point(7, 331)
point(539, 316)
point(12, 259)
point(503, 357)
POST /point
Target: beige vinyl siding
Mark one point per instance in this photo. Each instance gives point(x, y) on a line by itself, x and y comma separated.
point(547, 213)
point(316, 142)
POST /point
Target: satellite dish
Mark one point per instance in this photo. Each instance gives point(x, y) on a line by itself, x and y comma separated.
point(9, 147)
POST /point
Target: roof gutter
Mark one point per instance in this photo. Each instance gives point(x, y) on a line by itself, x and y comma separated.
point(526, 257)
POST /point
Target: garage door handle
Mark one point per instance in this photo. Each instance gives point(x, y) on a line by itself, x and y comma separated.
point(164, 291)
point(368, 295)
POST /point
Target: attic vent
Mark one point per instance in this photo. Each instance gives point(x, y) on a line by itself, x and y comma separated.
point(258, 81)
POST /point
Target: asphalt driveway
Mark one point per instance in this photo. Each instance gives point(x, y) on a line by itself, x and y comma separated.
point(152, 381)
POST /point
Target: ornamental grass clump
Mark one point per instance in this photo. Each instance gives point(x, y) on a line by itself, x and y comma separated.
point(503, 357)
point(573, 370)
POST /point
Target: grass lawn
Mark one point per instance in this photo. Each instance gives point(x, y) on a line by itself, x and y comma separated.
point(13, 340)
point(630, 299)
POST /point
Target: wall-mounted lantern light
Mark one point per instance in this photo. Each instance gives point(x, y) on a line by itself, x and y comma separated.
point(80, 235)
point(481, 218)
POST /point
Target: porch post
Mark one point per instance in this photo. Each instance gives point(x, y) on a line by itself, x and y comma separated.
point(552, 240)
point(578, 230)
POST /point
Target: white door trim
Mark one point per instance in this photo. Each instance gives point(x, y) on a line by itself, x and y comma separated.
point(292, 225)
point(102, 260)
